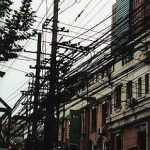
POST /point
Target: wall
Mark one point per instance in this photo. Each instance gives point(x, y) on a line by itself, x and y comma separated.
point(129, 138)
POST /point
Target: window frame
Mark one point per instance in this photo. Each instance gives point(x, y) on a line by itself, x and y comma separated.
point(118, 96)
point(93, 119)
point(127, 57)
point(117, 136)
point(129, 90)
point(147, 84)
point(139, 87)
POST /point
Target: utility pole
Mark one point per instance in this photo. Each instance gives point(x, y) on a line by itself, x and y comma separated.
point(36, 94)
point(9, 126)
point(62, 125)
point(50, 121)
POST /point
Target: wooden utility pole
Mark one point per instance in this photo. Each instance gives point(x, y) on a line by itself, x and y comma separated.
point(36, 94)
point(50, 121)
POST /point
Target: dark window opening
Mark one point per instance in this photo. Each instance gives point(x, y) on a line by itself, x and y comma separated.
point(139, 87)
point(117, 96)
point(116, 141)
point(94, 120)
point(129, 90)
point(127, 57)
point(109, 105)
point(104, 112)
point(141, 138)
point(147, 83)
point(103, 144)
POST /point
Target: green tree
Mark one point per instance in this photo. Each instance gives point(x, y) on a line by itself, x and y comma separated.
point(15, 26)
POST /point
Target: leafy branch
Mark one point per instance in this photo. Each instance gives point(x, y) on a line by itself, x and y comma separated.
point(15, 26)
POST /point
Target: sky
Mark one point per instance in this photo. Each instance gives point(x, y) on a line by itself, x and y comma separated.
point(79, 13)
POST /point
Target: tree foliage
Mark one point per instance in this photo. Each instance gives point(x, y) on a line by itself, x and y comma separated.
point(15, 26)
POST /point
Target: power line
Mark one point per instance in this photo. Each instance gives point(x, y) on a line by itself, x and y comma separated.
point(96, 5)
point(39, 6)
point(98, 61)
point(27, 58)
point(16, 90)
point(14, 69)
point(79, 15)
point(76, 26)
point(75, 21)
point(96, 13)
point(75, 1)
point(105, 19)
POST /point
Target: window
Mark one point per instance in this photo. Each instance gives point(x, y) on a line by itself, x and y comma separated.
point(147, 83)
point(141, 138)
point(129, 90)
point(93, 120)
point(139, 87)
point(117, 96)
point(117, 141)
point(102, 143)
point(104, 112)
point(126, 58)
point(83, 123)
point(109, 105)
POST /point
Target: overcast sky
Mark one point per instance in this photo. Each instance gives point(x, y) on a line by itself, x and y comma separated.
point(93, 12)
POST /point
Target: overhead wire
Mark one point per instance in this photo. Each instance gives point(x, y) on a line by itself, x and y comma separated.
point(16, 90)
point(96, 5)
point(27, 57)
point(47, 17)
point(14, 68)
point(79, 15)
point(105, 19)
point(25, 44)
point(90, 28)
point(71, 23)
point(110, 45)
point(75, 1)
point(62, 12)
point(99, 2)
point(96, 13)
point(40, 21)
point(70, 36)
point(77, 26)
point(46, 31)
